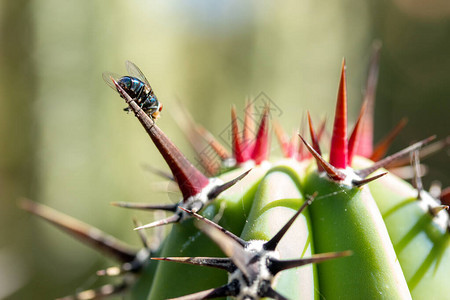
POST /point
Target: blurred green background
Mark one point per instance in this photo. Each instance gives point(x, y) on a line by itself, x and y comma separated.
point(66, 141)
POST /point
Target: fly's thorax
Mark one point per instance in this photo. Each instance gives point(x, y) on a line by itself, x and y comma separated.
point(133, 86)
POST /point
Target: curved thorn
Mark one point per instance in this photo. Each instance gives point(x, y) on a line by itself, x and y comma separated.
point(146, 206)
point(85, 233)
point(332, 172)
point(273, 242)
point(386, 161)
point(169, 220)
point(216, 191)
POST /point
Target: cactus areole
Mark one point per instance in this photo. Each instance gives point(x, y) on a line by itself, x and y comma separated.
point(299, 227)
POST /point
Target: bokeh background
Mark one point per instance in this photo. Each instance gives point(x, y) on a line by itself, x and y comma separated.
point(66, 142)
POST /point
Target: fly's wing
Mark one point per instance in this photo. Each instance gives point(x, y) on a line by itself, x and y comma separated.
point(107, 78)
point(134, 71)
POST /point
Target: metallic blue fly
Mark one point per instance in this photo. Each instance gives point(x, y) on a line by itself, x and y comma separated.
point(137, 86)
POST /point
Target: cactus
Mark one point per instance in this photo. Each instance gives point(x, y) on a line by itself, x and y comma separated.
point(299, 227)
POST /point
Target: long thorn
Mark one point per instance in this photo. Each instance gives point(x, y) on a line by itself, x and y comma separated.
point(315, 141)
point(358, 183)
point(382, 147)
point(314, 137)
point(271, 293)
point(424, 152)
point(169, 220)
point(229, 245)
point(280, 265)
point(384, 162)
point(87, 234)
point(219, 189)
point(273, 242)
point(191, 181)
point(141, 234)
point(214, 262)
point(338, 149)
point(146, 206)
point(332, 172)
point(217, 226)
